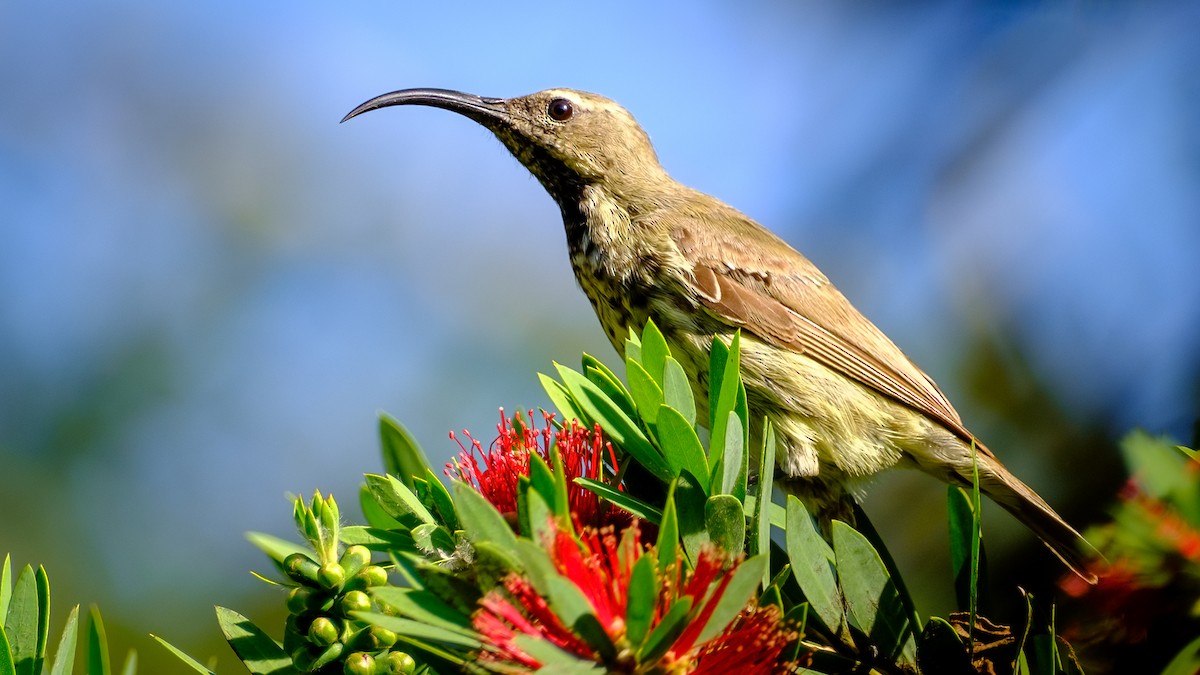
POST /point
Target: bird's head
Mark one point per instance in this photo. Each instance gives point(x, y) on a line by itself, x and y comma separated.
point(568, 139)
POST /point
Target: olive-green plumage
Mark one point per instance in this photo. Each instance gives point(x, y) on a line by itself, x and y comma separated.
point(845, 401)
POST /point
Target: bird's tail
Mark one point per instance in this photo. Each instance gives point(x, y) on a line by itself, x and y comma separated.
point(1020, 500)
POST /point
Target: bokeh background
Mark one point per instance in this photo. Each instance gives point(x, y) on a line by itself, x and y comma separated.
point(209, 289)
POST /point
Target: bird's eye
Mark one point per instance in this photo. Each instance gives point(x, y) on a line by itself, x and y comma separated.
point(560, 109)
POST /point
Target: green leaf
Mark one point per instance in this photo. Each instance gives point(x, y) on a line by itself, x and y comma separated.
point(23, 623)
point(443, 504)
point(64, 656)
point(647, 395)
point(743, 586)
point(963, 526)
point(402, 456)
point(654, 351)
point(43, 626)
point(276, 548)
point(866, 528)
point(1186, 662)
point(543, 481)
point(624, 500)
point(377, 539)
point(734, 461)
point(612, 387)
point(373, 512)
point(1161, 471)
point(872, 602)
point(481, 521)
point(5, 587)
point(574, 610)
point(725, 521)
point(643, 597)
point(423, 606)
point(812, 565)
point(421, 631)
point(182, 656)
point(940, 650)
point(130, 667)
point(667, 544)
point(7, 667)
point(616, 424)
point(633, 346)
point(677, 391)
point(679, 442)
point(97, 656)
point(760, 523)
point(690, 499)
point(555, 661)
point(259, 653)
point(561, 397)
point(725, 382)
point(398, 500)
point(666, 632)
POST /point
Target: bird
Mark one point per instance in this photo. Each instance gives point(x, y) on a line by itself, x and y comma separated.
point(844, 400)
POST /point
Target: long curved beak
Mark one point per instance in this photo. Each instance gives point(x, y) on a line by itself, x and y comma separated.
point(486, 111)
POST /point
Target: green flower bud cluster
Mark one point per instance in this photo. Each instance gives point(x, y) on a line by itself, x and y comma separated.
point(322, 633)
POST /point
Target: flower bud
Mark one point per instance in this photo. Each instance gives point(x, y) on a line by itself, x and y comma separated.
point(301, 568)
point(355, 601)
point(354, 558)
point(323, 631)
point(297, 600)
point(381, 638)
point(331, 575)
point(360, 663)
point(399, 663)
point(373, 575)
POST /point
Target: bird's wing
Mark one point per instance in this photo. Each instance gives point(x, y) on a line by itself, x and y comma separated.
point(752, 279)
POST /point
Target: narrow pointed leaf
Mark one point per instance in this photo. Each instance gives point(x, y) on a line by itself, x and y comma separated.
point(654, 352)
point(680, 443)
point(554, 660)
point(423, 606)
point(667, 631)
point(667, 544)
point(422, 631)
point(398, 500)
point(561, 397)
point(760, 524)
point(259, 653)
point(643, 595)
point(624, 500)
point(616, 424)
point(43, 626)
point(689, 503)
point(183, 656)
point(377, 539)
point(646, 393)
point(481, 521)
point(97, 656)
point(872, 602)
point(373, 512)
point(402, 456)
point(64, 656)
point(22, 622)
point(867, 529)
point(6, 582)
point(677, 391)
point(733, 462)
point(276, 548)
point(612, 387)
point(443, 504)
point(130, 667)
point(7, 667)
point(812, 564)
point(725, 382)
point(741, 589)
point(1186, 662)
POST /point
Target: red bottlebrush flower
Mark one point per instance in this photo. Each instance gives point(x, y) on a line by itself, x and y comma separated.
point(600, 564)
point(496, 471)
